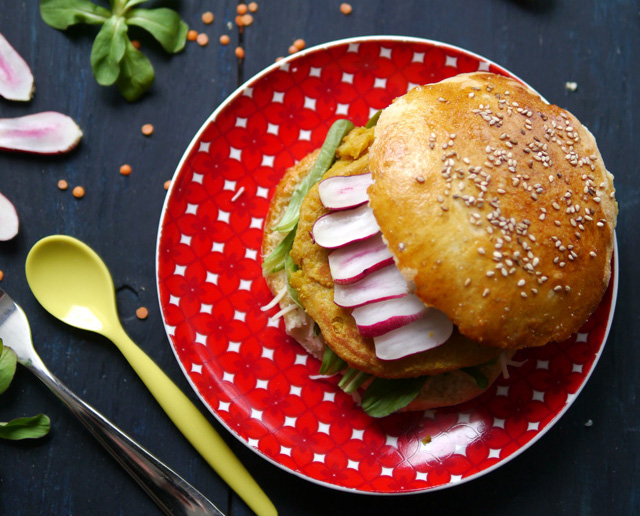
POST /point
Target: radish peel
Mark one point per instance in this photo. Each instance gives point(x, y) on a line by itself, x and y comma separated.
point(16, 79)
point(41, 133)
point(9, 222)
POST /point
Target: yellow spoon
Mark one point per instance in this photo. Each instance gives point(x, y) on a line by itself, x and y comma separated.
point(73, 284)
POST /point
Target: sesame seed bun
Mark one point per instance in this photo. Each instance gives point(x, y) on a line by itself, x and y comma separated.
point(497, 206)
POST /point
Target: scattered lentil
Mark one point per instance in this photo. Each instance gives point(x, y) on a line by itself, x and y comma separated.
point(240, 52)
point(207, 17)
point(242, 9)
point(224, 39)
point(346, 8)
point(299, 44)
point(62, 184)
point(253, 7)
point(142, 313)
point(192, 35)
point(135, 44)
point(202, 39)
point(247, 19)
point(125, 169)
point(167, 184)
point(147, 129)
point(78, 192)
point(1, 275)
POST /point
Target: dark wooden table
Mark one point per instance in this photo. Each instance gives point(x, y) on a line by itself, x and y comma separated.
point(573, 469)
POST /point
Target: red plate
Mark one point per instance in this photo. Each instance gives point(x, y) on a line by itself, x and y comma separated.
point(255, 379)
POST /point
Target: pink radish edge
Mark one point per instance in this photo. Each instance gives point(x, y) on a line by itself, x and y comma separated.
point(354, 261)
point(16, 79)
point(41, 133)
point(343, 192)
point(338, 228)
point(382, 284)
point(375, 319)
point(9, 222)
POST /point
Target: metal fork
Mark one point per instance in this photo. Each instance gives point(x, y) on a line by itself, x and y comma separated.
point(172, 493)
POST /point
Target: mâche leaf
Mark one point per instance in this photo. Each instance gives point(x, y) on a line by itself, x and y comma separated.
point(108, 50)
point(385, 396)
point(7, 366)
point(331, 363)
point(61, 14)
point(113, 57)
point(274, 262)
point(163, 24)
point(25, 428)
point(481, 380)
point(136, 73)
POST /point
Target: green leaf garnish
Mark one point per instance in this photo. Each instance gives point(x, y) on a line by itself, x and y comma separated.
point(136, 73)
point(373, 120)
point(25, 428)
point(274, 262)
point(61, 14)
point(327, 156)
point(114, 60)
point(7, 366)
point(290, 267)
point(163, 24)
point(331, 363)
point(108, 50)
point(481, 380)
point(352, 379)
point(385, 396)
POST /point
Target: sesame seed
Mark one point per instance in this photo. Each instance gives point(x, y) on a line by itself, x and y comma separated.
point(557, 288)
point(481, 250)
point(593, 254)
point(523, 294)
point(521, 283)
point(486, 292)
point(490, 274)
point(467, 282)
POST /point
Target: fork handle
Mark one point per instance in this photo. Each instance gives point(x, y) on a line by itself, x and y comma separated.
point(174, 495)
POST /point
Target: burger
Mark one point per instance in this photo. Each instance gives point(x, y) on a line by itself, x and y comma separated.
point(415, 255)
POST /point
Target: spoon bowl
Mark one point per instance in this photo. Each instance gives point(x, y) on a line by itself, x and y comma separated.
point(72, 283)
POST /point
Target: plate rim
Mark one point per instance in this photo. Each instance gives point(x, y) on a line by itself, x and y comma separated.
point(187, 152)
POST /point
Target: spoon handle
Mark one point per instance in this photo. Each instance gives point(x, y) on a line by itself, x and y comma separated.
point(172, 493)
point(194, 426)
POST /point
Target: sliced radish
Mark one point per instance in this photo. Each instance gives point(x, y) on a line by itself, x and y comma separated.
point(340, 192)
point(339, 228)
point(385, 283)
point(354, 261)
point(428, 332)
point(375, 319)
point(9, 222)
point(16, 79)
point(42, 133)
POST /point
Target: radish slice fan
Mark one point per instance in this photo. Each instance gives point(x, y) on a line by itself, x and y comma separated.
point(340, 192)
point(386, 283)
point(354, 261)
point(426, 333)
point(339, 228)
point(9, 222)
point(376, 319)
point(365, 275)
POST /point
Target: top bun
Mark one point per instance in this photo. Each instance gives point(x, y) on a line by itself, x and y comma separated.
point(497, 205)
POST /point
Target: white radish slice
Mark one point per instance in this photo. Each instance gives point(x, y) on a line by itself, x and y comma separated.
point(9, 222)
point(375, 319)
point(340, 192)
point(42, 133)
point(16, 79)
point(354, 261)
point(428, 332)
point(339, 228)
point(385, 283)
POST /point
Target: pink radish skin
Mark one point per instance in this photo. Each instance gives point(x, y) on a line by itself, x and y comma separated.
point(339, 228)
point(16, 79)
point(428, 332)
point(341, 192)
point(354, 261)
point(375, 319)
point(385, 283)
point(9, 222)
point(42, 133)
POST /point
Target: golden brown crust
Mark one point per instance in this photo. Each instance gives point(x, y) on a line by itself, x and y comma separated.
point(497, 205)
